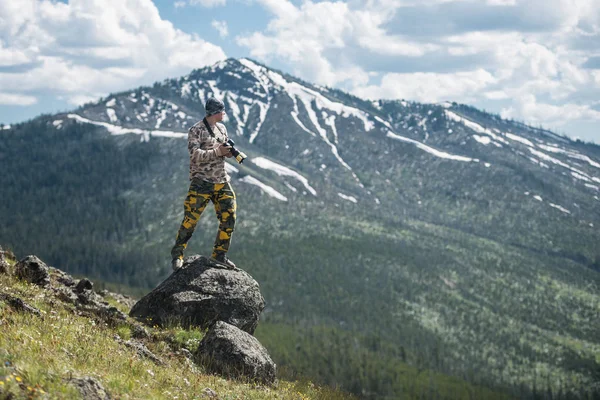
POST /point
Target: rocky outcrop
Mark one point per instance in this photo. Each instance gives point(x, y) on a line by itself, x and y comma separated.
point(19, 305)
point(202, 293)
point(33, 270)
point(90, 388)
point(229, 351)
point(141, 350)
point(119, 298)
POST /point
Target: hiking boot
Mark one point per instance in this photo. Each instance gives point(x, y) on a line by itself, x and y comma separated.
point(177, 264)
point(224, 260)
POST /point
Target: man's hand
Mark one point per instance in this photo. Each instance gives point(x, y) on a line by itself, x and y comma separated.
point(224, 151)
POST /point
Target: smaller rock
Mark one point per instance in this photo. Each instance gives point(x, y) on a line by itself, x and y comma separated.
point(4, 265)
point(8, 255)
point(66, 295)
point(140, 349)
point(19, 304)
point(90, 388)
point(86, 295)
point(124, 299)
point(61, 277)
point(139, 332)
point(186, 353)
point(83, 285)
point(33, 270)
point(208, 392)
point(231, 352)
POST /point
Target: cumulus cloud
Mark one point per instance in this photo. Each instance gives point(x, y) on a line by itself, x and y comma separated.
point(16, 99)
point(533, 54)
point(429, 87)
point(548, 114)
point(221, 27)
point(87, 48)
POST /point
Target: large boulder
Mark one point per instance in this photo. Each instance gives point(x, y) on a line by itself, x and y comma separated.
point(201, 293)
point(33, 270)
point(231, 352)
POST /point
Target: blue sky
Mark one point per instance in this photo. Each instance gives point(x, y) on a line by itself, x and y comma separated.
point(533, 60)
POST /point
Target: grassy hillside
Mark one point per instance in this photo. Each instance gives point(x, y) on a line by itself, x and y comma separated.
point(41, 354)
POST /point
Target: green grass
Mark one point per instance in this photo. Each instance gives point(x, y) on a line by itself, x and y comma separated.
point(40, 354)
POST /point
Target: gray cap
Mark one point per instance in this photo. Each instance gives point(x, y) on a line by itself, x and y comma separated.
point(214, 106)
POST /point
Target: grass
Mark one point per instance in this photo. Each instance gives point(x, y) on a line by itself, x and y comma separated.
point(40, 355)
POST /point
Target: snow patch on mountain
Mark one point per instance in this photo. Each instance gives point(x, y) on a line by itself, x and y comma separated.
point(111, 103)
point(538, 162)
point(560, 208)
point(263, 108)
point(230, 168)
point(119, 130)
point(482, 139)
point(161, 118)
point(431, 150)
point(307, 96)
point(282, 171)
point(519, 139)
point(385, 123)
point(571, 154)
point(215, 90)
point(265, 188)
point(578, 173)
point(349, 198)
point(112, 115)
point(474, 126)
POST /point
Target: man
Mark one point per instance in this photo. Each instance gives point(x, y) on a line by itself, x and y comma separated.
point(209, 182)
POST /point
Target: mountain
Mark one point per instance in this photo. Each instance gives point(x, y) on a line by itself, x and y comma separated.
point(384, 233)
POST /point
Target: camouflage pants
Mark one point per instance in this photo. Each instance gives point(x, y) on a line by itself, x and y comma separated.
point(223, 198)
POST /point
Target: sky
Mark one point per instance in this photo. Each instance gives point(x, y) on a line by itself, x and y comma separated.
point(536, 61)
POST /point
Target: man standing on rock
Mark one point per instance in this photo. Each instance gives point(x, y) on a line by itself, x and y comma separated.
point(209, 181)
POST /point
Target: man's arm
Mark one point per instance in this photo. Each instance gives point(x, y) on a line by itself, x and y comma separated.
point(200, 155)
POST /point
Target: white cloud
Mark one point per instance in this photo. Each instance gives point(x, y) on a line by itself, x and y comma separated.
point(527, 107)
point(12, 99)
point(302, 36)
point(208, 3)
point(429, 87)
point(87, 48)
point(221, 27)
point(501, 2)
point(529, 54)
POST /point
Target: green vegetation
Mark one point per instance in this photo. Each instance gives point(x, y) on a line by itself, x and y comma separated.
point(41, 354)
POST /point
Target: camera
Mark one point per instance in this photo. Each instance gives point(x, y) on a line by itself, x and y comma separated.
point(239, 156)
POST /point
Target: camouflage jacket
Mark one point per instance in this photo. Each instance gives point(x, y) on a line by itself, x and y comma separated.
point(204, 162)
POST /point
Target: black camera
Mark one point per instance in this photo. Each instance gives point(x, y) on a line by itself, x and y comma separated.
point(239, 156)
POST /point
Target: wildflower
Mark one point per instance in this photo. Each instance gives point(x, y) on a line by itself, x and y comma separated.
point(18, 379)
point(1, 383)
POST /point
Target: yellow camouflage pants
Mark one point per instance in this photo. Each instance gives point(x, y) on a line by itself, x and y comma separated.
point(200, 193)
